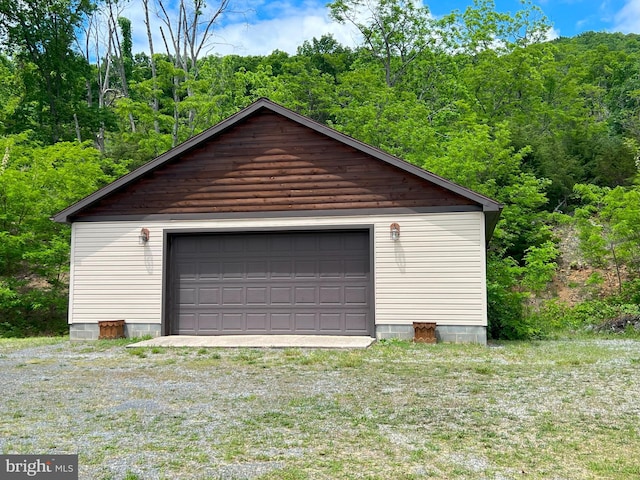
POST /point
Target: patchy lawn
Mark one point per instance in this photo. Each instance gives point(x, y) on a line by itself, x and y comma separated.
point(562, 410)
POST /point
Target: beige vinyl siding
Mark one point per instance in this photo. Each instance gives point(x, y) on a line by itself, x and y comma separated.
point(115, 278)
point(434, 272)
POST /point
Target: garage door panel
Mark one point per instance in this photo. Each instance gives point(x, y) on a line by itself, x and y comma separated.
point(305, 244)
point(281, 269)
point(256, 246)
point(331, 269)
point(305, 269)
point(232, 244)
point(281, 323)
point(208, 324)
point(232, 296)
point(330, 295)
point(355, 322)
point(305, 322)
point(306, 295)
point(330, 322)
point(281, 243)
point(232, 322)
point(187, 296)
point(281, 295)
point(201, 246)
point(257, 269)
point(188, 246)
point(233, 270)
point(355, 243)
point(355, 295)
point(257, 295)
point(257, 322)
point(208, 270)
point(187, 271)
point(356, 268)
point(330, 243)
point(209, 296)
point(278, 283)
point(187, 323)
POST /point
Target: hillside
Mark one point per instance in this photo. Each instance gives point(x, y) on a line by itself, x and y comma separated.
point(541, 127)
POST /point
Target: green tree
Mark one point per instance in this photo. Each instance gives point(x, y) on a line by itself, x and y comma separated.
point(394, 32)
point(609, 227)
point(36, 181)
point(40, 35)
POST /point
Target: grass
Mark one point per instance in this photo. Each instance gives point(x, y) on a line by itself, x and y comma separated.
point(554, 409)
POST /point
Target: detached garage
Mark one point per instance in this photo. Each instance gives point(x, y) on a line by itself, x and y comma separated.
point(270, 223)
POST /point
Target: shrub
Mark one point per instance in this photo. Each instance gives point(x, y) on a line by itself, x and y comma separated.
point(27, 311)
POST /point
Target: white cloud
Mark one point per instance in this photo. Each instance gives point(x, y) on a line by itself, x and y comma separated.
point(254, 28)
point(552, 34)
point(286, 33)
point(627, 20)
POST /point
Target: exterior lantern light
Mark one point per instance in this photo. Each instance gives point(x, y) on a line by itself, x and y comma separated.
point(144, 236)
point(395, 231)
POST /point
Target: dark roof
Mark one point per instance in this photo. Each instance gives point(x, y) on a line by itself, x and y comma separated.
point(491, 208)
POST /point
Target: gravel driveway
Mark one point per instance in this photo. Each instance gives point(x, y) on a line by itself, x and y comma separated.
point(392, 411)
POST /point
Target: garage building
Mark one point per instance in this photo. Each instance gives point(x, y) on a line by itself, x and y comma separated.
point(271, 223)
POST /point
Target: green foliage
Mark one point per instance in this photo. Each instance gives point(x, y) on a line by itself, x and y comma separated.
point(540, 266)
point(27, 309)
point(608, 222)
point(475, 96)
point(482, 158)
point(36, 182)
point(395, 32)
point(554, 317)
point(505, 302)
point(40, 35)
point(482, 28)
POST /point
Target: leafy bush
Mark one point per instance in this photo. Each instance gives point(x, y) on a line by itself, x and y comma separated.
point(554, 316)
point(28, 311)
point(505, 302)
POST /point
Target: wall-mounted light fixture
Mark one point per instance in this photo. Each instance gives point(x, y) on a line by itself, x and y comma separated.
point(395, 231)
point(144, 236)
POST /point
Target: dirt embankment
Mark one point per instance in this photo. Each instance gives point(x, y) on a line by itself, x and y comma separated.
point(576, 280)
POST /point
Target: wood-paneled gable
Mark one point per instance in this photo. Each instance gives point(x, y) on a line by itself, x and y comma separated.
point(267, 162)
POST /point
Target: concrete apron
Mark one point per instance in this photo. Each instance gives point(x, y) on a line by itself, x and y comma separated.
point(257, 341)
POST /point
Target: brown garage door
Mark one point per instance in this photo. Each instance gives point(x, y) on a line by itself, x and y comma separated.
point(271, 283)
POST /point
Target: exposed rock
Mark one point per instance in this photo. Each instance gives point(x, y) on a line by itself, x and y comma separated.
point(620, 324)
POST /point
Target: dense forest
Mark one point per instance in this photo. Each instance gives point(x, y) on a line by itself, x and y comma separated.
point(549, 128)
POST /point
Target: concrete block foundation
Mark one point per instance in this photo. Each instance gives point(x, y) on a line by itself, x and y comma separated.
point(91, 331)
point(401, 332)
point(444, 333)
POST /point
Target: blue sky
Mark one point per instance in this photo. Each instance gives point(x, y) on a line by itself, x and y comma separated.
point(257, 27)
point(570, 17)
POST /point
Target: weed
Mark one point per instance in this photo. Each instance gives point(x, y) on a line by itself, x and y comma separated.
point(137, 351)
point(484, 370)
point(349, 360)
point(248, 356)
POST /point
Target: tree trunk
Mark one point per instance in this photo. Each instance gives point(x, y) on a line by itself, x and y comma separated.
point(154, 77)
point(75, 121)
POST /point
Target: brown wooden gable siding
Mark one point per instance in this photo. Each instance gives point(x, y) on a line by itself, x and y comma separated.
point(270, 163)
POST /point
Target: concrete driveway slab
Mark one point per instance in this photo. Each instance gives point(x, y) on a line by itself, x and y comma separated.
point(258, 341)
